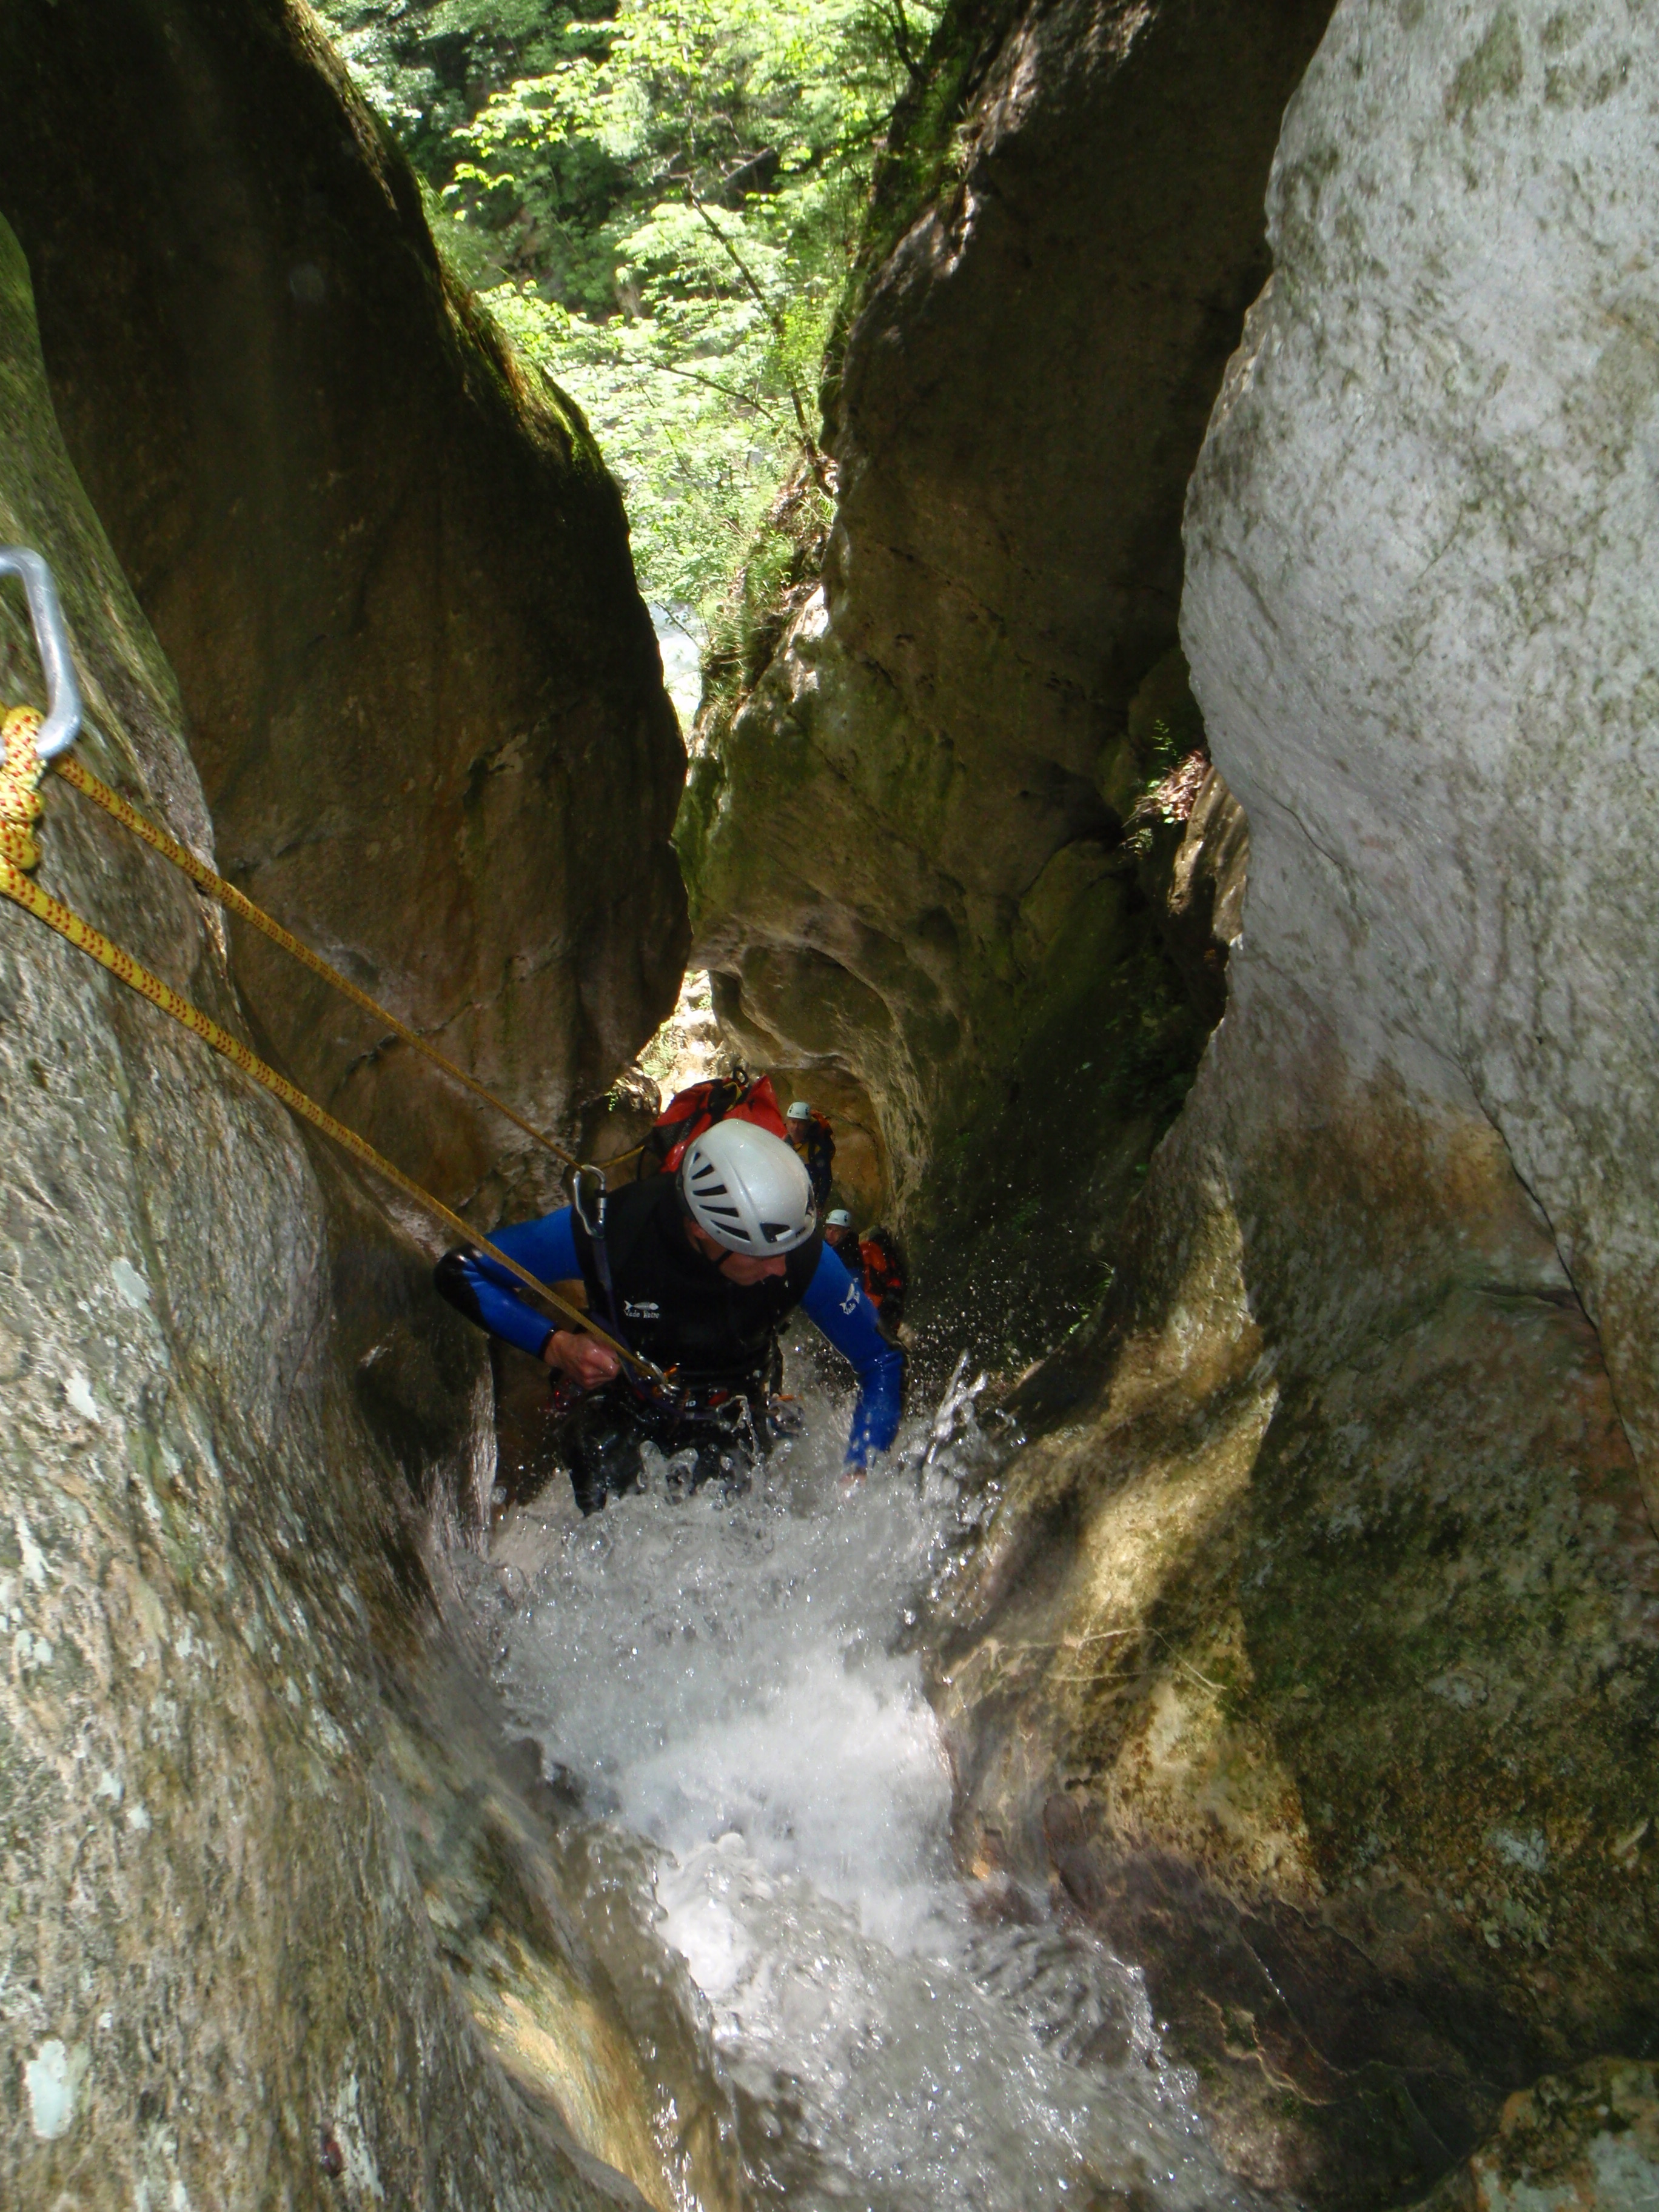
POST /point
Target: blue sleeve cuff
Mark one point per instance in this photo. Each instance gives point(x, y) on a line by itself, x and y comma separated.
point(842, 1310)
point(547, 1249)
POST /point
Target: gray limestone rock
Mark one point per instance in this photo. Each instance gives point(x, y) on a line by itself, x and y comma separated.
point(1315, 1647)
point(1421, 607)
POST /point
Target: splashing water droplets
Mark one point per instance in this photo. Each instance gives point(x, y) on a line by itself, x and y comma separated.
point(723, 1679)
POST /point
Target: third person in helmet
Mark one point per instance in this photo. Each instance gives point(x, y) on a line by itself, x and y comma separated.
point(814, 1142)
point(696, 1271)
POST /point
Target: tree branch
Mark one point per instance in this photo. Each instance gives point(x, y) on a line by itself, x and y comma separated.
point(815, 459)
point(743, 399)
point(899, 24)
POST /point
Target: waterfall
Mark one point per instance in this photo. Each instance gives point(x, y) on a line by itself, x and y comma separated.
point(726, 1688)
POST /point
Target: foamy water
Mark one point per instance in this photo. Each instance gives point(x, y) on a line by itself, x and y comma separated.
point(722, 1678)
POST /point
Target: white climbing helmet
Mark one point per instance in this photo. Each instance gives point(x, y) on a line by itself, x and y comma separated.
point(841, 1219)
point(799, 1111)
point(747, 1190)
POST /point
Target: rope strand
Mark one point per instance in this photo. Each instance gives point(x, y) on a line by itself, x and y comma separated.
point(20, 805)
point(73, 772)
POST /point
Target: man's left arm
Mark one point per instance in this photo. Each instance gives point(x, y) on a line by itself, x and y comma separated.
point(841, 1309)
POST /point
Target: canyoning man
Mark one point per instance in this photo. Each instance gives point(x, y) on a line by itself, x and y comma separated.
point(814, 1141)
point(842, 1239)
point(695, 1271)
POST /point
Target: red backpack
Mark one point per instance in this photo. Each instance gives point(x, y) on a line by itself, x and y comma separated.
point(689, 1113)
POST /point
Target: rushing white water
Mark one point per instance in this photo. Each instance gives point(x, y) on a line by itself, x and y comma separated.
point(720, 1678)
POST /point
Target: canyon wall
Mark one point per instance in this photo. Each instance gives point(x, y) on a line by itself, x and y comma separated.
point(284, 1918)
point(424, 698)
point(279, 1922)
point(909, 851)
point(1315, 1648)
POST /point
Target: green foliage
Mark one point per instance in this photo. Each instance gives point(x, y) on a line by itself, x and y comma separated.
point(659, 200)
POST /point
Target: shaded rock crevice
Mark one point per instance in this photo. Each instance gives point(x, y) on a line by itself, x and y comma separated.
point(1063, 238)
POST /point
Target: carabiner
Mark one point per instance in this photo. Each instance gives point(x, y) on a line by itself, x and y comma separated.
point(63, 723)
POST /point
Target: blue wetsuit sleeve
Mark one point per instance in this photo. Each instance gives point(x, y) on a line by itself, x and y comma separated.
point(846, 1317)
point(547, 1248)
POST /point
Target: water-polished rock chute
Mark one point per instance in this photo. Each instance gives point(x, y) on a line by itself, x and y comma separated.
point(1170, 812)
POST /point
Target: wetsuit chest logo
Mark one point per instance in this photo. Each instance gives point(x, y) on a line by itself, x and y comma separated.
point(641, 1310)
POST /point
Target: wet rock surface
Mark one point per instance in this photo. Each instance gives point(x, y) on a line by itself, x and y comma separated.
point(1315, 1648)
point(908, 853)
point(1312, 1652)
point(239, 1823)
point(1585, 2141)
point(424, 698)
point(1314, 1664)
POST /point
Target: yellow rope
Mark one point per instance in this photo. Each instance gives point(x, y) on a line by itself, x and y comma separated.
point(19, 797)
point(20, 805)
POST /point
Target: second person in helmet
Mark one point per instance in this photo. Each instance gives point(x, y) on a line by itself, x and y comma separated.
point(696, 1271)
point(813, 1143)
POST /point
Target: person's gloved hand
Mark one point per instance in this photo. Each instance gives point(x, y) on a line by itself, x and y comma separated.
point(584, 1359)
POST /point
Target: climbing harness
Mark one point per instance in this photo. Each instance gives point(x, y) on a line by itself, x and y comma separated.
point(32, 744)
point(593, 1223)
point(661, 1391)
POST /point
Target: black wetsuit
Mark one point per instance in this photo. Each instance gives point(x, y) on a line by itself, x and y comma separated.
point(673, 1305)
point(814, 1145)
point(666, 1300)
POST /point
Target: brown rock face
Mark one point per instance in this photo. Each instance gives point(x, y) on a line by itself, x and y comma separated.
point(1023, 394)
point(1267, 1655)
point(1584, 2141)
point(424, 694)
point(907, 854)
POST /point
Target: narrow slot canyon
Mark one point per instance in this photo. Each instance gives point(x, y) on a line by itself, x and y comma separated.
point(1158, 758)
